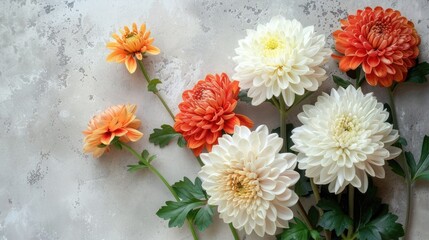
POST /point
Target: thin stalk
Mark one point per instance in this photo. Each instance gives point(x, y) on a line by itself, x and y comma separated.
point(146, 76)
point(283, 129)
point(234, 232)
point(317, 199)
point(159, 175)
point(404, 164)
point(304, 215)
point(351, 209)
point(148, 79)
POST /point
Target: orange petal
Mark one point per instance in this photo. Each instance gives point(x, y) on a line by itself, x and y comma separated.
point(371, 79)
point(245, 121)
point(133, 134)
point(153, 50)
point(373, 61)
point(107, 138)
point(131, 64)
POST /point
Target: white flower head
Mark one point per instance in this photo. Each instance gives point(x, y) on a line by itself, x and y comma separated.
point(249, 180)
point(281, 57)
point(344, 138)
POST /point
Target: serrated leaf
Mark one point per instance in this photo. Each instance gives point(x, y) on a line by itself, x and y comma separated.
point(176, 212)
point(163, 136)
point(242, 96)
point(151, 87)
point(417, 74)
point(340, 82)
point(333, 217)
point(396, 168)
point(181, 141)
point(204, 217)
point(298, 230)
point(186, 190)
point(381, 228)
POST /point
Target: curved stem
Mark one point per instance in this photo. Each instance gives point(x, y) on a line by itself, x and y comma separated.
point(234, 232)
point(146, 76)
point(317, 199)
point(159, 175)
point(404, 164)
point(351, 209)
point(283, 130)
point(304, 215)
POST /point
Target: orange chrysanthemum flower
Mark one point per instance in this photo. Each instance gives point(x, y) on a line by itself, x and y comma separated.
point(117, 121)
point(133, 43)
point(382, 41)
point(207, 111)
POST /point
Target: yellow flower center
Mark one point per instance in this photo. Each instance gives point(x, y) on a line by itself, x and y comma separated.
point(345, 129)
point(272, 46)
point(244, 185)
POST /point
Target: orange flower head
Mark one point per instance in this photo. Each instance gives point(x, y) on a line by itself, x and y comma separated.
point(207, 111)
point(382, 41)
point(132, 43)
point(116, 121)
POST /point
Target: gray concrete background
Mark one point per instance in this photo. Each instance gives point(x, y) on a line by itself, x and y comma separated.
point(54, 77)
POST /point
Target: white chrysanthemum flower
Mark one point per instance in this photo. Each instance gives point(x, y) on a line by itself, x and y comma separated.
point(280, 57)
point(344, 138)
point(249, 180)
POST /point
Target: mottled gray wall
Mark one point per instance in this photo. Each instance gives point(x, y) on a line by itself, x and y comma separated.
point(54, 77)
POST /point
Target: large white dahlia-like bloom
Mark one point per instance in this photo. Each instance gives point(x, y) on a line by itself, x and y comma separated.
point(344, 138)
point(249, 180)
point(281, 57)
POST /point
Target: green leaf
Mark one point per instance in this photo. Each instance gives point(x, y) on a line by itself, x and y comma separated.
point(423, 176)
point(151, 87)
point(181, 141)
point(340, 82)
point(135, 168)
point(333, 217)
point(402, 141)
point(242, 96)
point(298, 231)
point(396, 168)
point(423, 165)
point(361, 81)
point(418, 73)
point(313, 216)
point(163, 136)
point(375, 222)
point(176, 212)
point(411, 163)
point(381, 228)
point(303, 186)
point(187, 190)
point(389, 110)
point(145, 154)
point(204, 217)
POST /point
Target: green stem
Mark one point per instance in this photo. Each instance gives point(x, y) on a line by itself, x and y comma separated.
point(199, 161)
point(234, 232)
point(317, 199)
point(148, 79)
point(283, 129)
point(304, 215)
point(146, 76)
point(157, 173)
point(404, 164)
point(351, 209)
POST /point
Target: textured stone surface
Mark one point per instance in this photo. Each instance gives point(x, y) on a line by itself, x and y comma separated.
point(54, 77)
